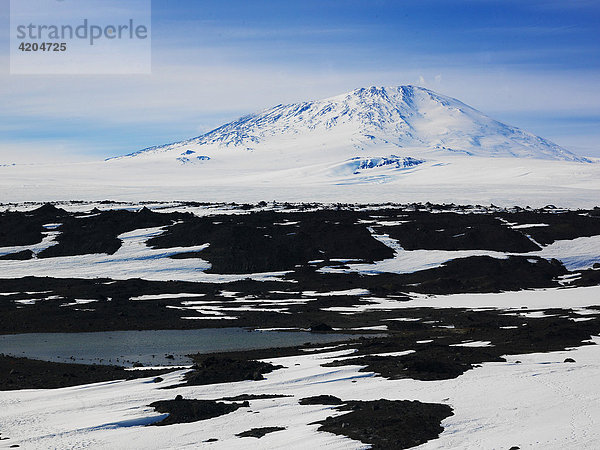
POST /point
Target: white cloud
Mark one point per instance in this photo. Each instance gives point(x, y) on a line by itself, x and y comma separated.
point(33, 151)
point(181, 90)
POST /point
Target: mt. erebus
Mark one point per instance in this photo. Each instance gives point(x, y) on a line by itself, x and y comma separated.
point(371, 145)
point(375, 122)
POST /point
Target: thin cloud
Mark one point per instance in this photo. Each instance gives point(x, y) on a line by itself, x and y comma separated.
point(527, 30)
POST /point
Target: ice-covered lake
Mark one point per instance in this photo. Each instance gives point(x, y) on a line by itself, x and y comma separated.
point(150, 347)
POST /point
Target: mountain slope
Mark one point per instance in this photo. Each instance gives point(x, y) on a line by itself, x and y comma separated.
point(391, 122)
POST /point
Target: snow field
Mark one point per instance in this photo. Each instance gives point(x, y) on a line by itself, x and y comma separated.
point(540, 402)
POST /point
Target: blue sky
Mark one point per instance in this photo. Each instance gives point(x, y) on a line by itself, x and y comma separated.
point(534, 64)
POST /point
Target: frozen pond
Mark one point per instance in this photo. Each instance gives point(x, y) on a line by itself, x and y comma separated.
point(150, 347)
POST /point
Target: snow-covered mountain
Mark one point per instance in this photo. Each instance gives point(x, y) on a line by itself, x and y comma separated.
point(375, 122)
point(372, 145)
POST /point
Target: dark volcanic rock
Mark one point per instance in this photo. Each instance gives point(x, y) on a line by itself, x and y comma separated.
point(25, 228)
point(441, 359)
point(98, 233)
point(434, 362)
point(320, 400)
point(454, 231)
point(259, 432)
point(215, 369)
point(294, 241)
point(23, 255)
point(590, 277)
point(387, 424)
point(184, 411)
point(23, 373)
point(112, 310)
point(486, 274)
point(563, 225)
point(261, 242)
point(320, 327)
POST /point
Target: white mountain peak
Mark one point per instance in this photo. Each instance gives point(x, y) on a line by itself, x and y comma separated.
point(373, 121)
